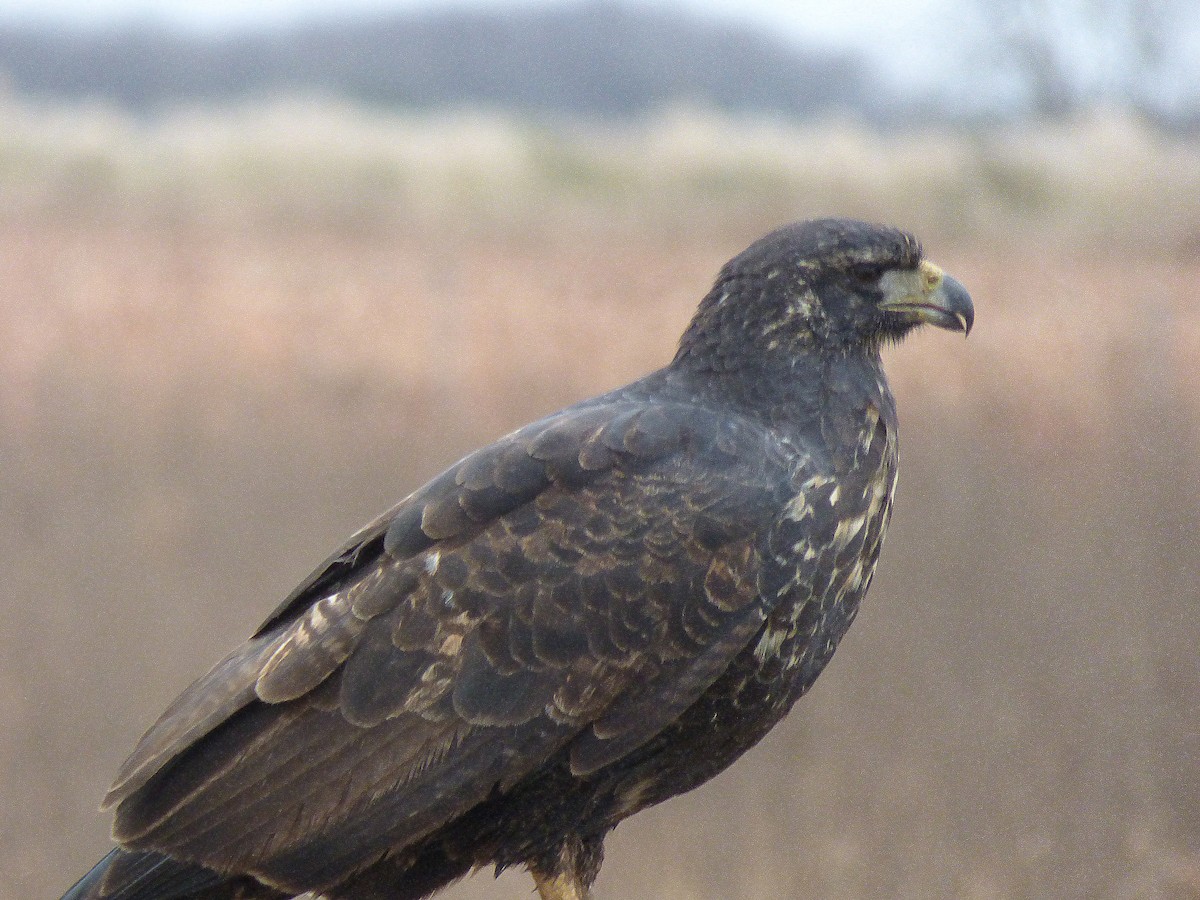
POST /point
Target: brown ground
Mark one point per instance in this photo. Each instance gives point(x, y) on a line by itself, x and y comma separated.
point(193, 415)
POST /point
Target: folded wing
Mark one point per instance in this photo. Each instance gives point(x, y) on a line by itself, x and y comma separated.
point(578, 583)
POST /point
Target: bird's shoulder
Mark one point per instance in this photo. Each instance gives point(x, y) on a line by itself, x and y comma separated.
point(636, 430)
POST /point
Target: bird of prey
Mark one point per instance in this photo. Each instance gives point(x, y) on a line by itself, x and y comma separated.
point(599, 611)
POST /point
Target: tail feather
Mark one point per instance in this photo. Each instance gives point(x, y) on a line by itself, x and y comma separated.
point(88, 887)
point(145, 875)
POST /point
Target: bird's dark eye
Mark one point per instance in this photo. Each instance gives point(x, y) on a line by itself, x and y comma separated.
point(867, 273)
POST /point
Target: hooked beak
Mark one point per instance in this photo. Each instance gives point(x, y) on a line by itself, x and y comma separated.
point(930, 296)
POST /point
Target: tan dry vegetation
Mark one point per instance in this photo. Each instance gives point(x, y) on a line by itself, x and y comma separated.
point(312, 160)
point(196, 407)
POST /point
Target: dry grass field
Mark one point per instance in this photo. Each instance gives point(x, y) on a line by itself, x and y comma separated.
point(207, 380)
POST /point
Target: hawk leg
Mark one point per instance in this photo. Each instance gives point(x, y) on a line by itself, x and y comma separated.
point(560, 887)
point(568, 874)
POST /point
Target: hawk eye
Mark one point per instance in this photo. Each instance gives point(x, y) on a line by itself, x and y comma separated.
point(867, 273)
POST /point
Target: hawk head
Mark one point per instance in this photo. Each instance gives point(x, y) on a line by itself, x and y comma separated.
point(826, 285)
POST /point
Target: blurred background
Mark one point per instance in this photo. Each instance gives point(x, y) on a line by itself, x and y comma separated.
point(265, 267)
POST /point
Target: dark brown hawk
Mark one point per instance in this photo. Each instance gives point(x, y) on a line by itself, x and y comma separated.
point(593, 614)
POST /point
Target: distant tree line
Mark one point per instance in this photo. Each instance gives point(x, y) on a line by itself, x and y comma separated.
point(597, 59)
point(609, 59)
